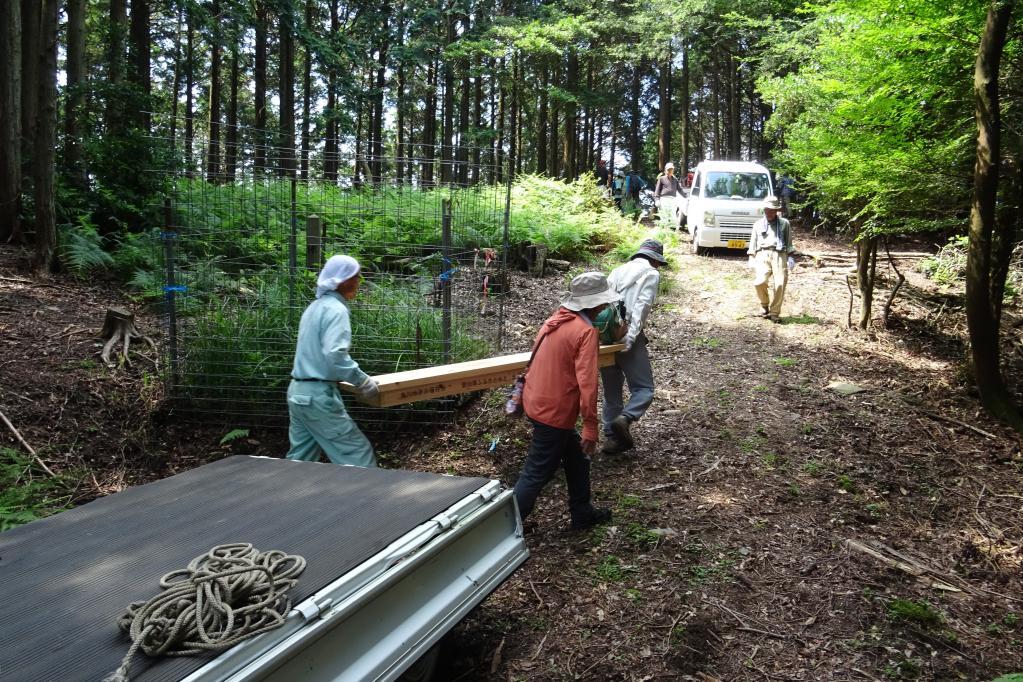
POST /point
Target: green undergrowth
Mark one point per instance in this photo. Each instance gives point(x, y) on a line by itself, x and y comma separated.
point(948, 267)
point(239, 346)
point(26, 493)
point(239, 252)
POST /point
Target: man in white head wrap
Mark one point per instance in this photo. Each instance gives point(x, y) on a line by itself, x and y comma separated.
point(318, 417)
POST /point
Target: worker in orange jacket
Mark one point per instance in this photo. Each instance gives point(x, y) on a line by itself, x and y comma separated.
point(561, 385)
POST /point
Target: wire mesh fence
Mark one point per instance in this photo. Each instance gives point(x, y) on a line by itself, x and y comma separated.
point(247, 226)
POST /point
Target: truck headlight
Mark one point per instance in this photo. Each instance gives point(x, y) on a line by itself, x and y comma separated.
point(708, 218)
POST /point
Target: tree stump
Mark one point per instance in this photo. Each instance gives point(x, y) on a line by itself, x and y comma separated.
point(119, 326)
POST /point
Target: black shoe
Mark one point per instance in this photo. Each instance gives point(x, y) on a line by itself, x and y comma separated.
point(598, 516)
point(613, 446)
point(766, 313)
point(620, 428)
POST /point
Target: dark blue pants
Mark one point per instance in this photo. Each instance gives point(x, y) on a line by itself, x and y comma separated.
point(550, 449)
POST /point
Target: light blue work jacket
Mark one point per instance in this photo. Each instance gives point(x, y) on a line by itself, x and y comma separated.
point(324, 339)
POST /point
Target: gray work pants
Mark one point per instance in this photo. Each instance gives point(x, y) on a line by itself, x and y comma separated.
point(632, 368)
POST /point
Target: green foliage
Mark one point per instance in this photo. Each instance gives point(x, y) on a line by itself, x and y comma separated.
point(24, 494)
point(611, 570)
point(80, 248)
point(948, 266)
point(641, 535)
point(136, 256)
point(233, 435)
point(919, 613)
point(873, 98)
point(1011, 677)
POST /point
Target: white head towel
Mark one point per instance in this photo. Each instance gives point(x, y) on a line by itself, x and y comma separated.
point(337, 270)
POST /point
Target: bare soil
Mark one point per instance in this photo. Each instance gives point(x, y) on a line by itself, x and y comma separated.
point(743, 526)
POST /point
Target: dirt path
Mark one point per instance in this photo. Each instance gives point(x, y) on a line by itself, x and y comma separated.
point(729, 554)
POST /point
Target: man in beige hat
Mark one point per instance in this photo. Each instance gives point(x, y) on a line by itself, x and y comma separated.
point(770, 255)
point(561, 385)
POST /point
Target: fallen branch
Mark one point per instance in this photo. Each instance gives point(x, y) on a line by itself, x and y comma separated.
point(935, 415)
point(852, 297)
point(28, 447)
point(906, 565)
point(711, 468)
point(895, 290)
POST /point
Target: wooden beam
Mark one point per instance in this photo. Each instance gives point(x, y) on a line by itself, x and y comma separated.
point(459, 377)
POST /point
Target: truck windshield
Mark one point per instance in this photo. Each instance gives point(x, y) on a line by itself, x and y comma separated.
point(724, 185)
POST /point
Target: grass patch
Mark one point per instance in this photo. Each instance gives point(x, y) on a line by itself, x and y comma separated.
point(846, 483)
point(25, 493)
point(919, 613)
point(813, 467)
point(641, 535)
point(752, 444)
point(611, 570)
point(786, 362)
point(706, 342)
point(802, 319)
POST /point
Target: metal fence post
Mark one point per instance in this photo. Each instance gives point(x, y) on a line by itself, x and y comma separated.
point(293, 245)
point(170, 289)
point(445, 279)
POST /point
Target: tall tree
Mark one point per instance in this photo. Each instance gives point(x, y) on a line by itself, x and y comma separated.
point(45, 138)
point(10, 121)
point(991, 239)
point(260, 160)
point(286, 89)
point(118, 34)
point(570, 141)
point(664, 112)
point(139, 65)
point(231, 137)
point(74, 107)
point(215, 94)
point(307, 89)
point(31, 16)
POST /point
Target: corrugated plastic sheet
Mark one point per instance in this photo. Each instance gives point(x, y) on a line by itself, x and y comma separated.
point(65, 580)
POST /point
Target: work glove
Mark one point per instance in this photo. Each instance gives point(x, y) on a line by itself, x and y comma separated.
point(791, 262)
point(629, 340)
point(369, 391)
point(751, 264)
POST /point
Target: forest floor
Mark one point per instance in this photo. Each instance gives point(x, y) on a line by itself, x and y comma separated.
point(768, 526)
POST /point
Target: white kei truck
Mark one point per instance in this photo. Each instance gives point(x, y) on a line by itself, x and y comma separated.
point(394, 560)
point(724, 201)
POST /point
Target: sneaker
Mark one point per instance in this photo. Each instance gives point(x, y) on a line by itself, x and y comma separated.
point(598, 516)
point(620, 429)
point(766, 313)
point(776, 319)
point(613, 446)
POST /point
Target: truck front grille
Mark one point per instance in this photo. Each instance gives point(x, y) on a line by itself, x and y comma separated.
point(736, 223)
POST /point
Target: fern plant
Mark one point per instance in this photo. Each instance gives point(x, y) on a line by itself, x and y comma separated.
point(80, 248)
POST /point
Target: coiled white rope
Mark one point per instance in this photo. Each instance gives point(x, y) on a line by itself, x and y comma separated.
point(231, 593)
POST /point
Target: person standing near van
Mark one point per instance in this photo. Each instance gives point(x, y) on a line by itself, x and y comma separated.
point(636, 282)
point(318, 417)
point(666, 196)
point(770, 255)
